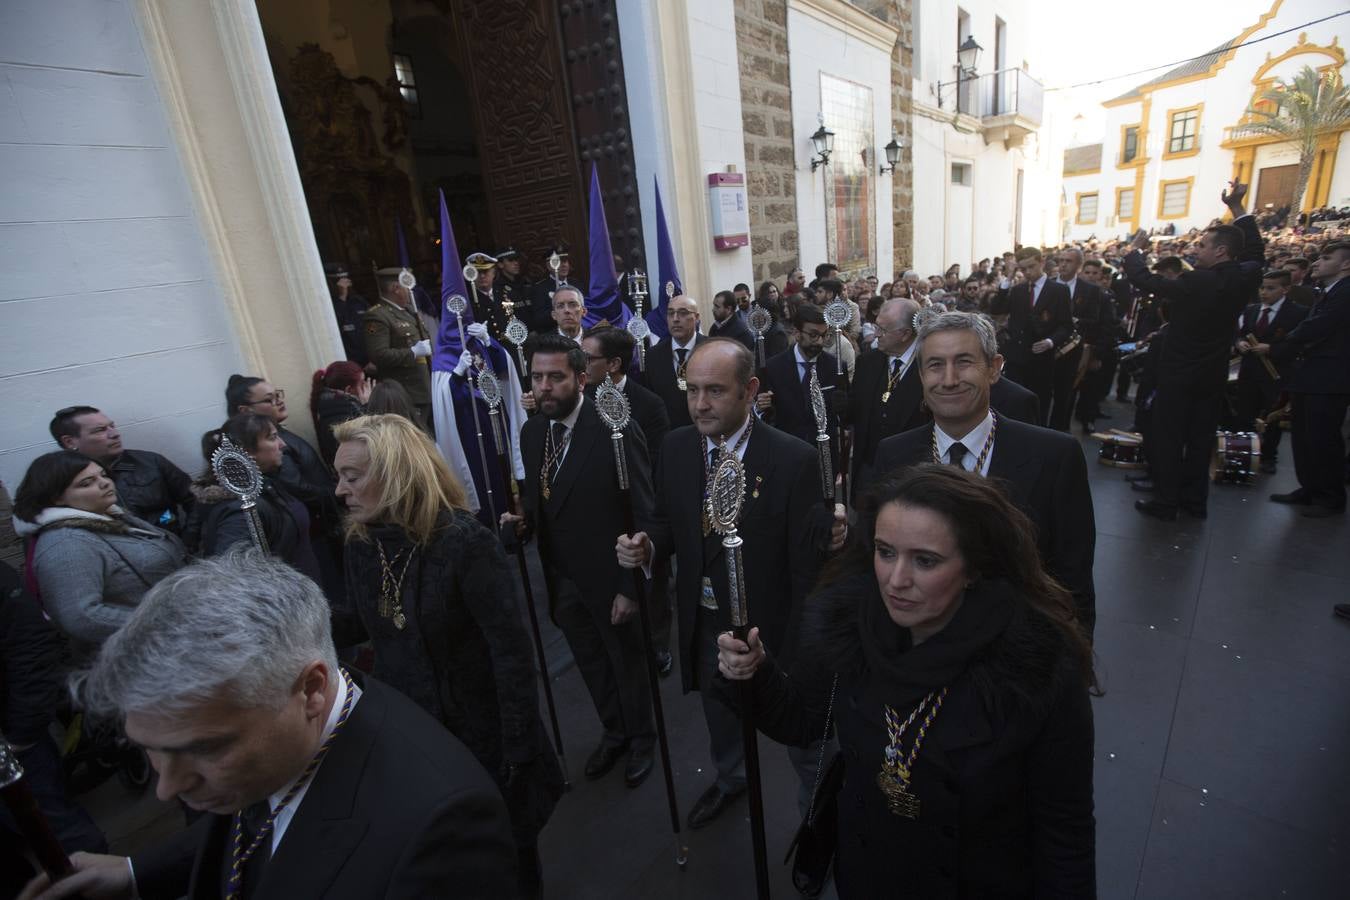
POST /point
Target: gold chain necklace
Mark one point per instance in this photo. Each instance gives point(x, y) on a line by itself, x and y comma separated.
point(552, 454)
point(896, 767)
point(390, 602)
point(892, 378)
point(984, 451)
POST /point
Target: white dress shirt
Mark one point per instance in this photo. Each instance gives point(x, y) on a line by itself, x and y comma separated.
point(732, 439)
point(1274, 311)
point(973, 442)
point(1036, 289)
point(571, 422)
point(283, 819)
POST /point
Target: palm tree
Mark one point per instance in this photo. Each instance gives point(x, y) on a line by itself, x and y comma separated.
point(1301, 112)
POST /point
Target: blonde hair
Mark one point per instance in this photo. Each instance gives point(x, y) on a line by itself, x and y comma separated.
point(414, 481)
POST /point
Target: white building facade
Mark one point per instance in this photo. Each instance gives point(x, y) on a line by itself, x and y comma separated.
point(1172, 143)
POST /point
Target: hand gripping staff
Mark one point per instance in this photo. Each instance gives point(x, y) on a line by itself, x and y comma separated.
point(237, 473)
point(612, 405)
point(491, 389)
point(725, 496)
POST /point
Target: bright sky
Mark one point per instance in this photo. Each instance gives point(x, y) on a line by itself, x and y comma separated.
point(1074, 41)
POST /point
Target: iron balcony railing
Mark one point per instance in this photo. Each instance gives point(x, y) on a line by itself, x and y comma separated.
point(1009, 92)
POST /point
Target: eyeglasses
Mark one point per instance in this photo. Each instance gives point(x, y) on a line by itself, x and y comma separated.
point(275, 397)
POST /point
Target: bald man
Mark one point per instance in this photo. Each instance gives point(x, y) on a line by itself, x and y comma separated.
point(887, 396)
point(668, 361)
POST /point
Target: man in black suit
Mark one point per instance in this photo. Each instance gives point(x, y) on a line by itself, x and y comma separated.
point(726, 323)
point(887, 396)
point(1042, 470)
point(1258, 393)
point(1040, 321)
point(609, 352)
point(1300, 291)
point(785, 400)
point(1318, 351)
point(1101, 368)
point(1203, 308)
point(1091, 315)
point(667, 361)
point(1010, 399)
point(312, 782)
point(571, 501)
point(786, 532)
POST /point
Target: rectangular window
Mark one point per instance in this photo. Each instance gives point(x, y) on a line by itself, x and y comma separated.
point(961, 174)
point(1125, 204)
point(850, 182)
point(1183, 130)
point(1087, 209)
point(1129, 144)
point(407, 84)
point(1175, 199)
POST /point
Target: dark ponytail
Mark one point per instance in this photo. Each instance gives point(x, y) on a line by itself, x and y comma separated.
point(237, 390)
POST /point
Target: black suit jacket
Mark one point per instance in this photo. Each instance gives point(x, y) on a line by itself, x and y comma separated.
point(583, 517)
point(1044, 473)
point(1202, 312)
point(1051, 318)
point(1319, 347)
point(399, 808)
point(784, 526)
point(734, 328)
point(647, 411)
point(1093, 315)
point(1285, 321)
point(873, 421)
point(1010, 399)
point(659, 378)
point(792, 407)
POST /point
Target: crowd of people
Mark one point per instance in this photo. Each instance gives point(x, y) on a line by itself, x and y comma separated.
point(917, 544)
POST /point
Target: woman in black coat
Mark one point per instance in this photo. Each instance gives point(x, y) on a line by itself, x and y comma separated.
point(338, 394)
point(959, 683)
point(432, 589)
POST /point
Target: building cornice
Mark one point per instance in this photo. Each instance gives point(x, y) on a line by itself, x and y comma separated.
point(851, 20)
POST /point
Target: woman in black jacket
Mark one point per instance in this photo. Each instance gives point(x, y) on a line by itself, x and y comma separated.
point(432, 589)
point(338, 394)
point(959, 683)
point(218, 520)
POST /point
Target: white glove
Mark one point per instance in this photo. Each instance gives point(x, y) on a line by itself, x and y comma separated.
point(478, 330)
point(421, 349)
point(462, 366)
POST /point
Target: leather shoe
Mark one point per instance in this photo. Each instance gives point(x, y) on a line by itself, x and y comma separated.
point(664, 663)
point(1318, 511)
point(1296, 498)
point(1144, 486)
point(603, 759)
point(1156, 510)
point(710, 806)
point(638, 768)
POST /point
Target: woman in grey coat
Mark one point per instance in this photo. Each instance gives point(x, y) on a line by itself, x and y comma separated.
point(91, 560)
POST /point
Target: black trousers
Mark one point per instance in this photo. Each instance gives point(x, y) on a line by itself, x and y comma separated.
point(1036, 373)
point(1257, 396)
point(1062, 389)
point(1319, 447)
point(1181, 442)
point(610, 660)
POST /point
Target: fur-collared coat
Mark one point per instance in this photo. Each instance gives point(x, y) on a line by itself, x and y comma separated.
point(1004, 775)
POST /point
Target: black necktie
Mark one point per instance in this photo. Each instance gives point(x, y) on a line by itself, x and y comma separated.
point(682, 353)
point(956, 454)
point(895, 367)
point(559, 435)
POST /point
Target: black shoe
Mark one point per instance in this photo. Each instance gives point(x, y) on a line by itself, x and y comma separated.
point(1139, 476)
point(603, 759)
point(710, 806)
point(1267, 467)
point(1195, 512)
point(1342, 610)
point(1143, 485)
point(1318, 511)
point(1156, 510)
point(664, 663)
point(1295, 498)
point(638, 768)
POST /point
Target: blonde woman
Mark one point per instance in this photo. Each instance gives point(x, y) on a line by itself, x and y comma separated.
point(431, 588)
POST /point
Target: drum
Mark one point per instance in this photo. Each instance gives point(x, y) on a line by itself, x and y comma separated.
point(1124, 451)
point(1237, 456)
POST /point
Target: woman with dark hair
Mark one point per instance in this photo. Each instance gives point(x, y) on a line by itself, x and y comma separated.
point(338, 393)
point(218, 520)
point(391, 398)
point(432, 589)
point(959, 682)
point(767, 293)
point(900, 290)
point(91, 560)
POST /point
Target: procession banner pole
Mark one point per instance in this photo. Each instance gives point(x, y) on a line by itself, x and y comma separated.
point(457, 304)
point(491, 390)
point(612, 405)
point(725, 496)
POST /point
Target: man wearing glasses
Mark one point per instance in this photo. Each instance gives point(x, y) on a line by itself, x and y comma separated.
point(667, 361)
point(887, 395)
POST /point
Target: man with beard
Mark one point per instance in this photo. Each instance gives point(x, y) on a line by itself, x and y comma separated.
point(786, 532)
point(571, 501)
point(785, 399)
point(726, 323)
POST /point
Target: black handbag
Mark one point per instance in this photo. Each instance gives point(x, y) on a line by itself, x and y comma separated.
point(812, 849)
